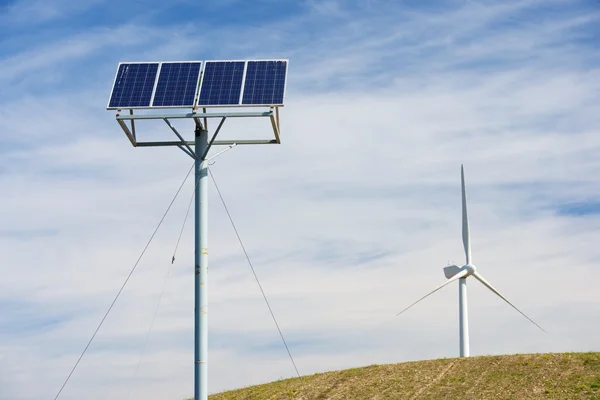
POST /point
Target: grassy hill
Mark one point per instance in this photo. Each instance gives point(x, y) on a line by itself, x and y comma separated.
point(519, 377)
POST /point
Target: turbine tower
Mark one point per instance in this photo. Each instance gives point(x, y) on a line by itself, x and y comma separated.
point(454, 272)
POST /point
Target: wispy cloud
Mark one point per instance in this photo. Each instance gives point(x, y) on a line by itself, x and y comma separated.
point(28, 12)
point(347, 221)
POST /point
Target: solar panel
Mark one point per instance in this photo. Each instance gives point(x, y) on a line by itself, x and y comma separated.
point(133, 86)
point(177, 84)
point(221, 83)
point(265, 82)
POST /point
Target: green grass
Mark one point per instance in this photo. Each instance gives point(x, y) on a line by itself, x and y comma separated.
point(520, 377)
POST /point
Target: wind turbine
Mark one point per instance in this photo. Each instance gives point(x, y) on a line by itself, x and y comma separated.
point(454, 272)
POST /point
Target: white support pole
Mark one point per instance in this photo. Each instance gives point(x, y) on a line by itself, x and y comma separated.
point(463, 317)
point(201, 269)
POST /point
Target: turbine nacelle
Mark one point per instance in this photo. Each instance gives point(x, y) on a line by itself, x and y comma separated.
point(452, 270)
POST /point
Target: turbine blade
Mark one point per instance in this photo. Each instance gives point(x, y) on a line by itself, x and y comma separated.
point(455, 277)
point(465, 217)
point(493, 289)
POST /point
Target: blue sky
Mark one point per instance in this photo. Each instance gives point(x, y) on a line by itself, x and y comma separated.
point(349, 220)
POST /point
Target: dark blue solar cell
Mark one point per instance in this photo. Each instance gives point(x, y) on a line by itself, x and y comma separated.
point(177, 84)
point(221, 83)
point(265, 82)
point(133, 85)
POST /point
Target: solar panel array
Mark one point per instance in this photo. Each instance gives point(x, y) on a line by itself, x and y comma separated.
point(190, 83)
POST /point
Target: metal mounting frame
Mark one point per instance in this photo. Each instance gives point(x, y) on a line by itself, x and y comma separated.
point(184, 145)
